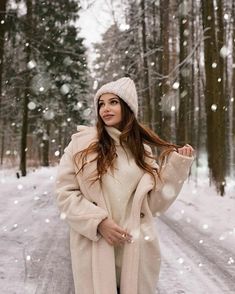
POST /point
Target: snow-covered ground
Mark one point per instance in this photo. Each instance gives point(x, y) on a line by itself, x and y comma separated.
point(197, 238)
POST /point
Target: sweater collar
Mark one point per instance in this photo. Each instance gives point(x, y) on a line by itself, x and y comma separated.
point(114, 134)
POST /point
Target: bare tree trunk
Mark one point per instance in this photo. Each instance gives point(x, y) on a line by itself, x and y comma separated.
point(214, 96)
point(26, 92)
point(193, 79)
point(157, 115)
point(164, 70)
point(3, 5)
point(233, 80)
point(185, 91)
point(45, 149)
point(146, 92)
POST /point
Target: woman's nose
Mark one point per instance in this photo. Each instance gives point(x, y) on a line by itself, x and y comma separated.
point(106, 107)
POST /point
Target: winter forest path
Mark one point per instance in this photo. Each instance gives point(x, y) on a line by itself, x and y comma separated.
point(34, 246)
point(192, 262)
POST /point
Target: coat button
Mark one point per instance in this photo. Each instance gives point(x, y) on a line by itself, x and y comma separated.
point(94, 203)
point(142, 214)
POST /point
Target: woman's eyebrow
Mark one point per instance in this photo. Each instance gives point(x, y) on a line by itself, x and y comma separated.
point(108, 99)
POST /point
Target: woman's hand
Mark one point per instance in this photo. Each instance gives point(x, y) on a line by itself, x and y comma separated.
point(112, 233)
point(186, 150)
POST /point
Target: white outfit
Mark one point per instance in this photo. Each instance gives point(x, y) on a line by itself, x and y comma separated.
point(119, 187)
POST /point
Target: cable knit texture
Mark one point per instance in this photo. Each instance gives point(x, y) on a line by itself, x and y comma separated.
point(124, 88)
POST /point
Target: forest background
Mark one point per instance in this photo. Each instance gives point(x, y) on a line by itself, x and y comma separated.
point(181, 55)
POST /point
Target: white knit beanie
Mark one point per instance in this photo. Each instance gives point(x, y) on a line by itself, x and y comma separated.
point(124, 88)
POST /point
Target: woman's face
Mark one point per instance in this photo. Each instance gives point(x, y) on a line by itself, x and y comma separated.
point(110, 110)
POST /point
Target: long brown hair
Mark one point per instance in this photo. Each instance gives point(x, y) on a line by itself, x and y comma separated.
point(134, 135)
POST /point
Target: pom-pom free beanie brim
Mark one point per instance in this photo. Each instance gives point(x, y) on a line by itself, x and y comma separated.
point(123, 88)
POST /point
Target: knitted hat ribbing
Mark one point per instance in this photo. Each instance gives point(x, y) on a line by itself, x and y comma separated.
point(124, 88)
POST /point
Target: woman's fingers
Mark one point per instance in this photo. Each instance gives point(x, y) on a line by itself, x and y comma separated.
point(113, 233)
point(123, 234)
point(186, 150)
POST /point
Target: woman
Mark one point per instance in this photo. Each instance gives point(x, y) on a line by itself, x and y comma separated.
point(109, 188)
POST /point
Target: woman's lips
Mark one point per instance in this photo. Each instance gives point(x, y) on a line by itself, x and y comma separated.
point(108, 116)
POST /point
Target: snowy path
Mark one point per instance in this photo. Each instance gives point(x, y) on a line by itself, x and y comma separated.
point(192, 262)
point(35, 255)
point(34, 242)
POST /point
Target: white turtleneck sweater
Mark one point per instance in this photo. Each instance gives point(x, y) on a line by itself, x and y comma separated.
point(119, 187)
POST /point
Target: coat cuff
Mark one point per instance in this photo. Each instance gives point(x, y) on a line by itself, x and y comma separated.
point(181, 163)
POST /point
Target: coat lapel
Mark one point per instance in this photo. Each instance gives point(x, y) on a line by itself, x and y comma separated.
point(130, 265)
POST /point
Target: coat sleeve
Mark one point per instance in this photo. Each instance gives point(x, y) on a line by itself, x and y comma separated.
point(173, 174)
point(81, 214)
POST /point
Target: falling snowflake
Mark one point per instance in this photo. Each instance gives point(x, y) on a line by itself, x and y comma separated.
point(67, 61)
point(176, 85)
point(226, 16)
point(28, 257)
point(19, 187)
point(65, 89)
point(180, 260)
point(63, 216)
point(40, 83)
point(186, 33)
point(31, 64)
point(224, 52)
point(223, 236)
point(168, 191)
point(188, 219)
point(183, 94)
point(31, 105)
point(79, 105)
point(57, 153)
point(87, 112)
point(173, 108)
point(200, 264)
point(205, 226)
point(49, 115)
point(231, 260)
point(124, 27)
point(95, 86)
point(214, 65)
point(135, 234)
point(213, 107)
point(47, 220)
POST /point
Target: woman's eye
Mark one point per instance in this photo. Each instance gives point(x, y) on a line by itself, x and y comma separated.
point(114, 102)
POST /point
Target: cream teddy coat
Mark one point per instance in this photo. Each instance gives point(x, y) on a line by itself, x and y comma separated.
point(83, 207)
